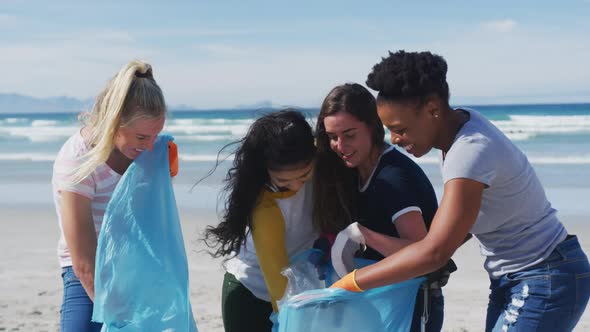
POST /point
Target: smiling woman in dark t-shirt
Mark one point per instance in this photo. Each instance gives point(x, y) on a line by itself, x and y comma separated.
point(387, 202)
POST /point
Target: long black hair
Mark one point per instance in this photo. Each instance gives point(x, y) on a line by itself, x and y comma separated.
point(335, 185)
point(410, 77)
point(275, 141)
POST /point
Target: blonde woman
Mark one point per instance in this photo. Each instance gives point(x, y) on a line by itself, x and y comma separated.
point(128, 115)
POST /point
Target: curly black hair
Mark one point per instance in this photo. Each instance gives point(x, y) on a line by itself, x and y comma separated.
point(275, 141)
point(410, 76)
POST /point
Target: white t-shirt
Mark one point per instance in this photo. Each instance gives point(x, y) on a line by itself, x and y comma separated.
point(516, 226)
point(296, 213)
point(98, 187)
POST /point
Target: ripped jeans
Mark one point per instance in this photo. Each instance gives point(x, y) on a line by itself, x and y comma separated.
point(549, 296)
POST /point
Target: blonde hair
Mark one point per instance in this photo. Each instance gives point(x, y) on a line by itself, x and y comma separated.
point(131, 95)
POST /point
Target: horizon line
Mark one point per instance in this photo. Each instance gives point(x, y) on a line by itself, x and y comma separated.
point(245, 109)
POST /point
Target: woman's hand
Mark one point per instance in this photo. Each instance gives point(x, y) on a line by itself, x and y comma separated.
point(348, 282)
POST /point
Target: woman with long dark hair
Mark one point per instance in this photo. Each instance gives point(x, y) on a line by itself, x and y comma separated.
point(367, 191)
point(267, 219)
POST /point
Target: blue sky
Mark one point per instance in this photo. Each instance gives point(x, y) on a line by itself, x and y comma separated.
point(219, 54)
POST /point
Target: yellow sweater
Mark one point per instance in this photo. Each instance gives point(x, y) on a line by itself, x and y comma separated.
point(268, 233)
point(281, 229)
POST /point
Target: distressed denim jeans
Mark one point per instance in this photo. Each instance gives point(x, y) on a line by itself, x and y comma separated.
point(76, 309)
point(550, 296)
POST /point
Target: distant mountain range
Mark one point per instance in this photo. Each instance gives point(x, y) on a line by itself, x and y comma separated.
point(17, 103)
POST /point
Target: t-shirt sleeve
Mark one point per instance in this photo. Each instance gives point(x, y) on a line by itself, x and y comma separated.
point(471, 158)
point(397, 192)
point(268, 233)
point(63, 170)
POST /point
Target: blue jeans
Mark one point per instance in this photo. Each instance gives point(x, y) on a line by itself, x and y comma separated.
point(76, 309)
point(550, 296)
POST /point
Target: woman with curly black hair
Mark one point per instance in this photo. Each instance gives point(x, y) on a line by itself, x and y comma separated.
point(539, 275)
point(267, 219)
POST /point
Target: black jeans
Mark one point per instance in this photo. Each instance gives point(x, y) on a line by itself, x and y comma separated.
point(241, 310)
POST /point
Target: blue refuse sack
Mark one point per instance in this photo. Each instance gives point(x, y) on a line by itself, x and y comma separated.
point(388, 308)
point(141, 274)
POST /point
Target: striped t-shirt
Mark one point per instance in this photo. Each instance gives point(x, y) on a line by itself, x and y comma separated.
point(98, 187)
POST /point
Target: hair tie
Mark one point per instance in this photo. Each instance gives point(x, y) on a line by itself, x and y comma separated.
point(147, 74)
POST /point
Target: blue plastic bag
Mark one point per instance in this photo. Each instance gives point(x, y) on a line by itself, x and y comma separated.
point(388, 308)
point(141, 277)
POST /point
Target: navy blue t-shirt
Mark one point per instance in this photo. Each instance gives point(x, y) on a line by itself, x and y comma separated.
point(397, 186)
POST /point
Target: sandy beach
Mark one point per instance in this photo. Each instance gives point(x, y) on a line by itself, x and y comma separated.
point(211, 69)
point(31, 290)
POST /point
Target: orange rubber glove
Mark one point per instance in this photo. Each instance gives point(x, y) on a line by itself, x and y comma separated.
point(173, 158)
point(348, 283)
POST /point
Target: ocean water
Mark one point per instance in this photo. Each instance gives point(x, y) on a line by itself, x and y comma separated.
point(555, 138)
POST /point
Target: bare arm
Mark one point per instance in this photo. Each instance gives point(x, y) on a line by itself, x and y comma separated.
point(80, 236)
point(410, 226)
point(456, 215)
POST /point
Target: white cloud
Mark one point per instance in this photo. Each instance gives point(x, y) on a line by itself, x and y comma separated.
point(6, 20)
point(217, 32)
point(531, 63)
point(196, 32)
point(506, 25)
point(204, 75)
point(223, 50)
point(114, 36)
point(94, 35)
point(222, 73)
point(300, 77)
point(70, 67)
